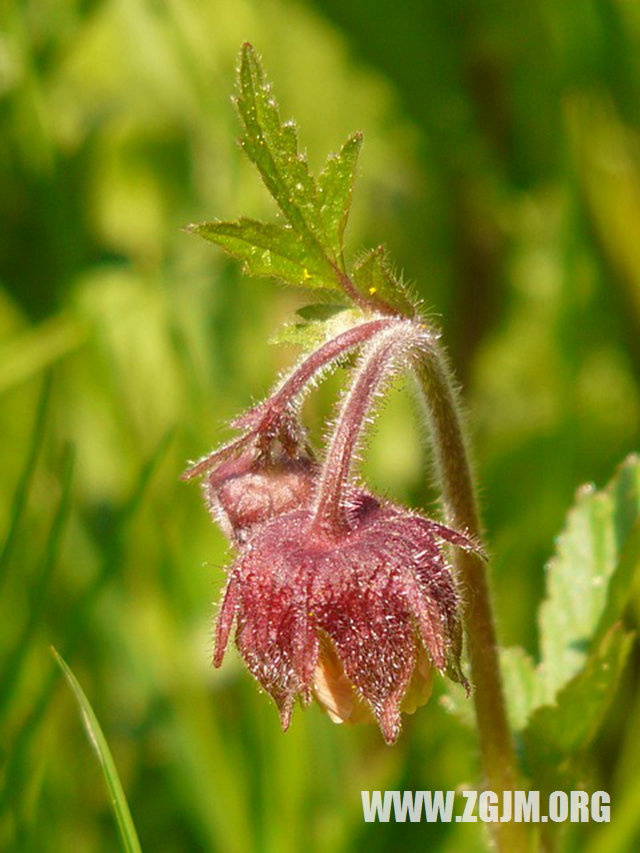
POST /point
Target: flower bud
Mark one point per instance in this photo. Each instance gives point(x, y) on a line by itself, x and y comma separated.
point(252, 488)
point(267, 471)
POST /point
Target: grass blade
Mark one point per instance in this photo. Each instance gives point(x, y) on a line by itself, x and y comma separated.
point(18, 762)
point(97, 739)
point(22, 490)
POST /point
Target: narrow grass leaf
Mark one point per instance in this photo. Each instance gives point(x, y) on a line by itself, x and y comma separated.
point(18, 762)
point(12, 667)
point(128, 835)
point(24, 484)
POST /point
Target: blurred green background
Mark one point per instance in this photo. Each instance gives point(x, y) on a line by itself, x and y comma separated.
point(502, 168)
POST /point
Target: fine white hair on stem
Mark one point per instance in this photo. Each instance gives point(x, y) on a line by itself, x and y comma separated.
point(312, 368)
point(384, 357)
point(288, 393)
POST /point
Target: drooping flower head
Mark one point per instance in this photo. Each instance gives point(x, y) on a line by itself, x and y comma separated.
point(349, 622)
point(335, 593)
point(269, 474)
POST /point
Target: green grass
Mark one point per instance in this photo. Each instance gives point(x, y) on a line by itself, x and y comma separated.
point(126, 828)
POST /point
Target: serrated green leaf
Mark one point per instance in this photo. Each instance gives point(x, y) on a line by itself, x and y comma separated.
point(335, 189)
point(269, 250)
point(588, 584)
point(310, 335)
point(128, 836)
point(557, 733)
point(375, 281)
point(309, 252)
point(576, 588)
point(591, 551)
point(273, 147)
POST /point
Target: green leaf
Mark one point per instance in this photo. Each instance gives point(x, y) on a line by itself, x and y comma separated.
point(522, 685)
point(273, 147)
point(588, 584)
point(557, 733)
point(17, 652)
point(589, 581)
point(625, 491)
point(314, 333)
point(309, 251)
point(269, 250)
point(98, 741)
point(598, 547)
point(373, 278)
point(335, 189)
point(320, 311)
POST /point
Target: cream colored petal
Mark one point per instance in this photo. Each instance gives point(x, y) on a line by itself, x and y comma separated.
point(421, 683)
point(333, 690)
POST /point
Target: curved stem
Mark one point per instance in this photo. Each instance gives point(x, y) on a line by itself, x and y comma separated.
point(456, 482)
point(377, 364)
point(262, 418)
point(311, 365)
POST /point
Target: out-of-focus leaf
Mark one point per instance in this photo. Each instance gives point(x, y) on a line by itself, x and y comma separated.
point(522, 687)
point(24, 484)
point(591, 551)
point(375, 281)
point(625, 492)
point(335, 189)
point(38, 348)
point(557, 733)
point(588, 584)
point(128, 835)
point(269, 250)
point(13, 665)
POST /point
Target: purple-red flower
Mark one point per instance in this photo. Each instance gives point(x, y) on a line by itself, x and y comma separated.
point(335, 594)
point(351, 621)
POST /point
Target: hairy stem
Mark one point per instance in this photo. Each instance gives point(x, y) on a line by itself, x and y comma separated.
point(456, 482)
point(377, 364)
point(266, 417)
point(311, 365)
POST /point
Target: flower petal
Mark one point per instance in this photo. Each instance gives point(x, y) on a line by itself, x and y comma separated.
point(374, 637)
point(333, 690)
point(275, 634)
point(225, 619)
